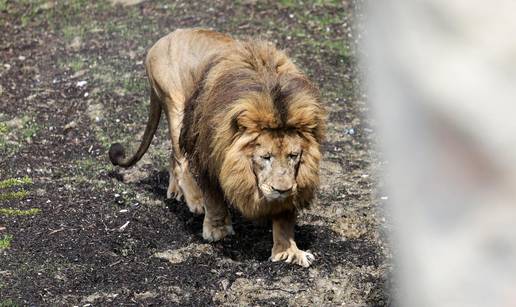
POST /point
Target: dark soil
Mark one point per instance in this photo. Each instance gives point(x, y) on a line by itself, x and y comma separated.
point(106, 236)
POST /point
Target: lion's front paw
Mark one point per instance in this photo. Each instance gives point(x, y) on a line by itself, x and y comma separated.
point(294, 255)
point(215, 233)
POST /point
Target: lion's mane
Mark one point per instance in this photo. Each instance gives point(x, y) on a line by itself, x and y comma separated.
point(239, 95)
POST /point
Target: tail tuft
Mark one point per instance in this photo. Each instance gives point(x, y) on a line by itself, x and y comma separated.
point(116, 153)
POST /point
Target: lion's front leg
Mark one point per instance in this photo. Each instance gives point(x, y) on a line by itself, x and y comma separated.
point(285, 248)
point(217, 220)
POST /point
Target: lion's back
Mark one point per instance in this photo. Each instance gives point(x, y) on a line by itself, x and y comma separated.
point(177, 59)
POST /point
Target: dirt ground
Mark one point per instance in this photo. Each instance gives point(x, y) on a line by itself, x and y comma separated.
point(77, 231)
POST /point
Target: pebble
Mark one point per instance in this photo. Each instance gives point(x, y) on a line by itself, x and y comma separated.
point(81, 83)
point(70, 125)
point(124, 226)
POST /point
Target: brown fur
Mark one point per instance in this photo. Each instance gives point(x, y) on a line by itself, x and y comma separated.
point(219, 96)
point(251, 91)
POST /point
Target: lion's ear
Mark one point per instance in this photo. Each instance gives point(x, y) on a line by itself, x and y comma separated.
point(237, 122)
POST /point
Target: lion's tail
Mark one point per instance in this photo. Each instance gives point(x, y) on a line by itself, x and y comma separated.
point(117, 152)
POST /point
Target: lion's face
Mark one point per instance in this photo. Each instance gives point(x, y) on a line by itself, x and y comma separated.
point(276, 160)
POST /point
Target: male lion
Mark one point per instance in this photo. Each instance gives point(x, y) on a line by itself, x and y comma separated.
point(245, 125)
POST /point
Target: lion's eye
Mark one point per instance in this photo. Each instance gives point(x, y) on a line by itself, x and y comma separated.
point(266, 157)
point(293, 155)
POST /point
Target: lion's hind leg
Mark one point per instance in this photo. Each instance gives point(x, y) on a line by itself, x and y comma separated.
point(217, 220)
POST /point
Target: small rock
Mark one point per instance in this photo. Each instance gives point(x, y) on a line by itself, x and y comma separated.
point(81, 83)
point(124, 226)
point(16, 123)
point(79, 73)
point(69, 126)
point(224, 283)
point(126, 2)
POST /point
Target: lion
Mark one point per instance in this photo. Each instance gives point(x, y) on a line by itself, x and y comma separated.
point(245, 125)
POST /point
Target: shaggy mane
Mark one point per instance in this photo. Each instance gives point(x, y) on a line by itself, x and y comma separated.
point(251, 90)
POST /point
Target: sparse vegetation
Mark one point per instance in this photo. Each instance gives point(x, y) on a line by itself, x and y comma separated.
point(8, 303)
point(13, 195)
point(14, 182)
point(17, 212)
point(22, 130)
point(5, 241)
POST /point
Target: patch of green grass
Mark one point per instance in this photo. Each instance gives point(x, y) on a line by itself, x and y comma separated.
point(30, 128)
point(14, 195)
point(10, 183)
point(5, 241)
point(287, 3)
point(8, 303)
point(3, 128)
point(13, 182)
point(326, 20)
point(135, 85)
point(71, 31)
point(11, 140)
point(326, 2)
point(33, 8)
point(337, 46)
point(128, 29)
point(17, 212)
point(73, 63)
point(90, 166)
point(4, 146)
point(3, 5)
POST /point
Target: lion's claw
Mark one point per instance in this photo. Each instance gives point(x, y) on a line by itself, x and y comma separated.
point(296, 256)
